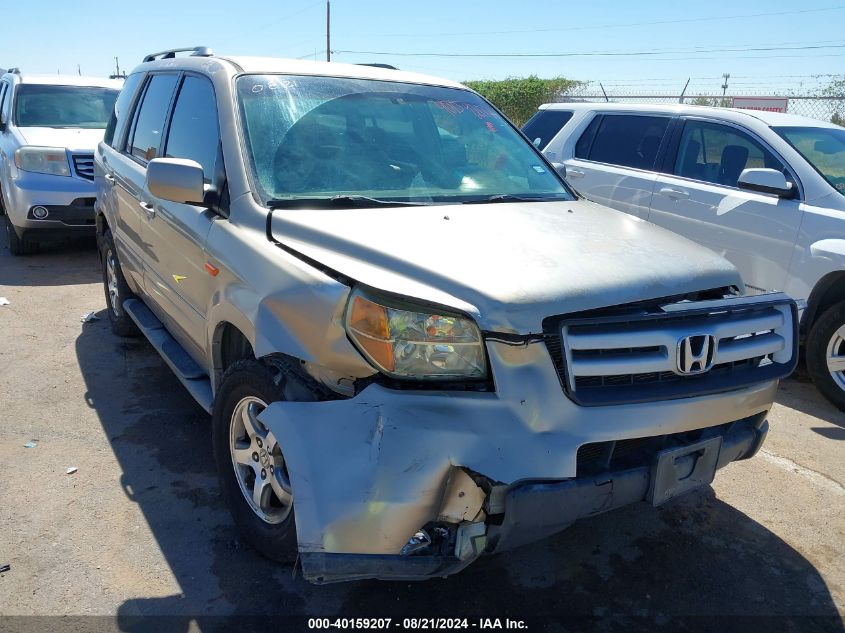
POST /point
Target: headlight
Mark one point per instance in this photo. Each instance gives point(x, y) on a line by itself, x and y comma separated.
point(43, 160)
point(407, 343)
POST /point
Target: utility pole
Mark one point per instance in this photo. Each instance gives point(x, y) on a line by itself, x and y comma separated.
point(117, 74)
point(328, 30)
point(79, 70)
point(726, 76)
point(684, 91)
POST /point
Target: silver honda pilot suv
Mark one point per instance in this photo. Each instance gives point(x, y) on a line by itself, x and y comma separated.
point(49, 128)
point(416, 342)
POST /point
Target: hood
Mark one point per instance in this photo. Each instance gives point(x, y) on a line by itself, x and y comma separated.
point(70, 138)
point(509, 265)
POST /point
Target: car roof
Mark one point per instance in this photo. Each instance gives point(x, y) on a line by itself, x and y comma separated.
point(273, 65)
point(736, 115)
point(69, 80)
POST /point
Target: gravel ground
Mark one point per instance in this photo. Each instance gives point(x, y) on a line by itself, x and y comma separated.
point(139, 529)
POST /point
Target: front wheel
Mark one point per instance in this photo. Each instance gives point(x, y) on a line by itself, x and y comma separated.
point(18, 246)
point(826, 354)
point(116, 289)
point(254, 478)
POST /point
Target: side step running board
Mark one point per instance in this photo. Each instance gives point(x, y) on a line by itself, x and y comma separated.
point(189, 373)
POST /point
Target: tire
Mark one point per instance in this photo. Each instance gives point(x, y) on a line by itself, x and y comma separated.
point(17, 246)
point(116, 289)
point(268, 524)
point(826, 340)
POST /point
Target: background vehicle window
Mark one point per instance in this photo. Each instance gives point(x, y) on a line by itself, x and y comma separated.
point(823, 148)
point(193, 128)
point(121, 107)
point(149, 123)
point(718, 153)
point(86, 107)
point(544, 125)
point(627, 140)
point(582, 147)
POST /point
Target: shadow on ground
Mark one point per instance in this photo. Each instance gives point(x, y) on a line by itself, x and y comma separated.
point(696, 557)
point(800, 394)
point(60, 264)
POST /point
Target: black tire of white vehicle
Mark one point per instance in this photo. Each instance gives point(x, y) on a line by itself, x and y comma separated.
point(254, 479)
point(116, 289)
point(17, 246)
point(827, 336)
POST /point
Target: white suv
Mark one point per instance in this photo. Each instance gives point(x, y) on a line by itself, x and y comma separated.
point(764, 189)
point(49, 128)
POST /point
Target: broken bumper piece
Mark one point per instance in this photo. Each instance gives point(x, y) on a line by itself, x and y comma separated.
point(389, 470)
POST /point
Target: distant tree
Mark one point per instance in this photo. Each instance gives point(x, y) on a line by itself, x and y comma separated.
point(519, 97)
point(714, 102)
point(836, 89)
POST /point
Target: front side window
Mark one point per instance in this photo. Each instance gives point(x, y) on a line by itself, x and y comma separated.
point(627, 140)
point(325, 137)
point(193, 127)
point(823, 148)
point(145, 139)
point(544, 125)
point(719, 153)
point(43, 105)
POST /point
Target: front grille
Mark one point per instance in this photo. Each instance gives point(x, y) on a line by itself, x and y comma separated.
point(619, 357)
point(83, 165)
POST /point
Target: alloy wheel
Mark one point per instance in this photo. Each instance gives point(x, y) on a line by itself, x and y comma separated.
point(259, 464)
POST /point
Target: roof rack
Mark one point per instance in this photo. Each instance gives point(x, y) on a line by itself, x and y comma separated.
point(378, 65)
point(196, 51)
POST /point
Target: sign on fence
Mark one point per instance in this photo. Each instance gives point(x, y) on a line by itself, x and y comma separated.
point(769, 104)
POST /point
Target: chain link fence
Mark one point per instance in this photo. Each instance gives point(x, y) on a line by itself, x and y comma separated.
point(817, 107)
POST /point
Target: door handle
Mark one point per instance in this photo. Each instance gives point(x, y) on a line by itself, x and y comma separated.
point(574, 173)
point(109, 178)
point(148, 209)
point(675, 194)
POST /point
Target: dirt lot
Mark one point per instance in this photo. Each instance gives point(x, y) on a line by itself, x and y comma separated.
point(139, 529)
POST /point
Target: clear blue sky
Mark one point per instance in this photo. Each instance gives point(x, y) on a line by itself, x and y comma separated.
point(48, 35)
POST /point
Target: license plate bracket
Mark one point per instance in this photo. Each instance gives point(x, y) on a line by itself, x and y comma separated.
point(680, 470)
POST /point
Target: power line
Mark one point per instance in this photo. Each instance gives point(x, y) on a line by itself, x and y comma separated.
point(822, 76)
point(610, 26)
point(601, 53)
point(267, 25)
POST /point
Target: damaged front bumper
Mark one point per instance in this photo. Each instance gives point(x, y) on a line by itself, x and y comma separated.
point(531, 511)
point(461, 473)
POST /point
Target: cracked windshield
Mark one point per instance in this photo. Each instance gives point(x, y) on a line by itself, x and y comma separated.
point(323, 137)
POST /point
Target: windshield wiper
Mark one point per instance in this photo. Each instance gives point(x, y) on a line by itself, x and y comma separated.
point(343, 201)
point(508, 197)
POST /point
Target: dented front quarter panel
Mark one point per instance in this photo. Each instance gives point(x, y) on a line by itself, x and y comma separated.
point(370, 471)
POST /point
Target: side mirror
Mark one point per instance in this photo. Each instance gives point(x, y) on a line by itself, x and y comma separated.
point(176, 179)
point(560, 168)
point(766, 181)
point(2, 121)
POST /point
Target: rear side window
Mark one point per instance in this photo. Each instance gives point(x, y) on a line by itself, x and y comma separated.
point(717, 154)
point(193, 127)
point(121, 108)
point(626, 140)
point(544, 125)
point(145, 139)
